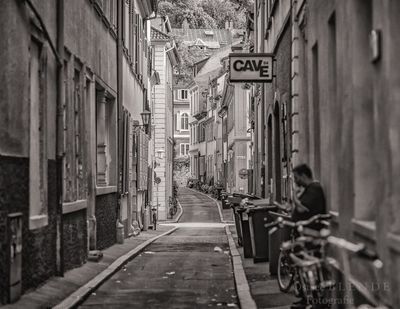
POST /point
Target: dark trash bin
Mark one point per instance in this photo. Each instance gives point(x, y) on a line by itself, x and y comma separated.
point(234, 203)
point(226, 200)
point(275, 240)
point(258, 217)
point(238, 226)
point(245, 230)
point(219, 193)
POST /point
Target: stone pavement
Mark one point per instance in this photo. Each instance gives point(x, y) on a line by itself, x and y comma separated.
point(79, 281)
point(263, 287)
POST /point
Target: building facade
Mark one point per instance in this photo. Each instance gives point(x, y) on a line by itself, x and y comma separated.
point(181, 130)
point(165, 58)
point(332, 105)
point(75, 81)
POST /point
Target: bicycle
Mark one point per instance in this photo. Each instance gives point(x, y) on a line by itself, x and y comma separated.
point(298, 261)
point(313, 271)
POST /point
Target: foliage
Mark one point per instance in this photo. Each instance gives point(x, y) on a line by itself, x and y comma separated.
point(181, 163)
point(205, 13)
point(179, 10)
point(225, 10)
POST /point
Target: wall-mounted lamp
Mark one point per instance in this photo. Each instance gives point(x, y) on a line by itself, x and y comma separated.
point(145, 120)
point(145, 117)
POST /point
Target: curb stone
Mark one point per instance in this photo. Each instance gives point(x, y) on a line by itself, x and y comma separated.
point(79, 295)
point(242, 286)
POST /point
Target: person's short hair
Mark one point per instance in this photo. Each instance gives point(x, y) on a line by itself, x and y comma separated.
point(303, 169)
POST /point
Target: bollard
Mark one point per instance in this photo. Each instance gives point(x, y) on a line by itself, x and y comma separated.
point(120, 233)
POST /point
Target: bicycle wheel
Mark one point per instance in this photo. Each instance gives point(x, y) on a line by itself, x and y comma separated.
point(285, 272)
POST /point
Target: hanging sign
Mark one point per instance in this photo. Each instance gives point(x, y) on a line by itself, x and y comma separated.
point(251, 67)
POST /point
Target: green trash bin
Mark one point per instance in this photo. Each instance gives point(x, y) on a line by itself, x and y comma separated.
point(258, 217)
point(275, 240)
point(245, 230)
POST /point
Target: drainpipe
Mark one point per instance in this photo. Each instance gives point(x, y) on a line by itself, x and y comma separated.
point(119, 105)
point(60, 136)
point(263, 101)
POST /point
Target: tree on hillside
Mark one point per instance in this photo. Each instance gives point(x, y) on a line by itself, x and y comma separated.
point(179, 10)
point(225, 10)
point(205, 13)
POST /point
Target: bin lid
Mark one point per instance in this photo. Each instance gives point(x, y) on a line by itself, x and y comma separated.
point(243, 209)
point(234, 199)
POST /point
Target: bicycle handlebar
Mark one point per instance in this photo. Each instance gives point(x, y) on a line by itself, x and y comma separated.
point(280, 222)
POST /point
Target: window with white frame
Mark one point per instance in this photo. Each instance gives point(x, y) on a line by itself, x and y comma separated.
point(185, 122)
point(184, 149)
point(182, 94)
point(37, 139)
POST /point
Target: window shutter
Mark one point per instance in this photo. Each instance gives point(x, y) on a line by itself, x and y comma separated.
point(176, 122)
point(137, 31)
point(178, 127)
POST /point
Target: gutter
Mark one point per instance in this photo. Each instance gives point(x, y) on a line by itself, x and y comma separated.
point(119, 103)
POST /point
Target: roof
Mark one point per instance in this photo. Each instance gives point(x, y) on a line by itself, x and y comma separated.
point(181, 83)
point(222, 36)
point(157, 35)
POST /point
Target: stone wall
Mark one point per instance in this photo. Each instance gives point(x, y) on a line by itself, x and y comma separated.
point(39, 245)
point(74, 239)
point(106, 218)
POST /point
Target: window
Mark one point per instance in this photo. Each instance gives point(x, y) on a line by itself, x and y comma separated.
point(105, 139)
point(182, 94)
point(185, 122)
point(37, 138)
point(184, 149)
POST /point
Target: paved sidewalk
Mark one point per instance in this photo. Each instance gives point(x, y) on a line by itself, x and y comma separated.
point(77, 282)
point(263, 287)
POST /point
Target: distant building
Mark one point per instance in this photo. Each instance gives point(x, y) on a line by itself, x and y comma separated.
point(181, 129)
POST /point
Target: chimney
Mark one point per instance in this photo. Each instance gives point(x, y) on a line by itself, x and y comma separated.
point(185, 24)
point(226, 25)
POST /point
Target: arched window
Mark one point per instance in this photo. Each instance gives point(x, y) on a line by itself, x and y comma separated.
point(185, 121)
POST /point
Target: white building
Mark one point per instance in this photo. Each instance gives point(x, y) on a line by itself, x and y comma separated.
point(165, 57)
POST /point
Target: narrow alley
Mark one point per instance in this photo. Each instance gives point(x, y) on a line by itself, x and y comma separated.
point(189, 268)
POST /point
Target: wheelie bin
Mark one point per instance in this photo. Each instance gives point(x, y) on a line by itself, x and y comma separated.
point(234, 204)
point(224, 200)
point(235, 200)
point(258, 217)
point(245, 230)
point(275, 239)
